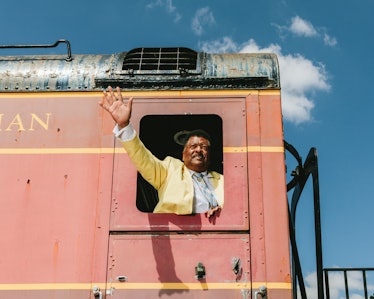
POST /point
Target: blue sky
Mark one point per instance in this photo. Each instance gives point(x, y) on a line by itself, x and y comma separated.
point(325, 53)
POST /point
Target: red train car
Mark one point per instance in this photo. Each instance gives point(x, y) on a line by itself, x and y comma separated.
point(77, 218)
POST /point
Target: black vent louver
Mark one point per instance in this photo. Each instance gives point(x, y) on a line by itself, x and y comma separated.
point(160, 59)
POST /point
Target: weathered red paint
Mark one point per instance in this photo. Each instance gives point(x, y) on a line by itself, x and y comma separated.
point(170, 260)
point(68, 202)
point(54, 198)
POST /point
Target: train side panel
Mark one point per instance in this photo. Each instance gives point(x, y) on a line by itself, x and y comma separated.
point(267, 200)
point(69, 202)
point(55, 194)
point(76, 216)
point(253, 159)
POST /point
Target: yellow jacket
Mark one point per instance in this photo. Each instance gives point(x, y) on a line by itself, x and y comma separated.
point(170, 177)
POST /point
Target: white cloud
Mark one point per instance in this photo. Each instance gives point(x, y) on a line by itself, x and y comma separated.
point(300, 77)
point(168, 6)
point(329, 41)
point(224, 45)
point(203, 17)
point(302, 27)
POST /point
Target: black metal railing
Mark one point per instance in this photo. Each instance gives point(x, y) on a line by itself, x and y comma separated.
point(301, 175)
point(356, 281)
point(338, 283)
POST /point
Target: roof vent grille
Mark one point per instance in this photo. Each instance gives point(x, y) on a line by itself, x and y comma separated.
point(160, 59)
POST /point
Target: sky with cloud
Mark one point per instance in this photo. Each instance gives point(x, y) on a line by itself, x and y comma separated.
point(325, 55)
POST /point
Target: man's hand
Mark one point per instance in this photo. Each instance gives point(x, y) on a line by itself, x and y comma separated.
point(211, 212)
point(113, 102)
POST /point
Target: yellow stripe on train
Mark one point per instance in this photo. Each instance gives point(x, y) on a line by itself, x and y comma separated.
point(143, 286)
point(31, 151)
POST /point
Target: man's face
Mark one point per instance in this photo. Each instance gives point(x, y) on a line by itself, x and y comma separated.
point(196, 154)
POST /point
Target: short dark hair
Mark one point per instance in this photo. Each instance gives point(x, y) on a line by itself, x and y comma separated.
point(182, 137)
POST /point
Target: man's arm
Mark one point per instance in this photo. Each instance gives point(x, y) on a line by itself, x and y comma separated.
point(151, 168)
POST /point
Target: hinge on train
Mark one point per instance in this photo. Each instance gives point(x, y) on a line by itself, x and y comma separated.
point(261, 293)
point(200, 271)
point(235, 265)
point(97, 292)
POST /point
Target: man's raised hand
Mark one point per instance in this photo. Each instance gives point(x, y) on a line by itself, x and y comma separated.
point(114, 103)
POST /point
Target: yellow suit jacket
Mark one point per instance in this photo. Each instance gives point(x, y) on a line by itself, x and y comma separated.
point(170, 177)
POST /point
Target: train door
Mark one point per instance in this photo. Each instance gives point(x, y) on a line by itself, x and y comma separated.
point(191, 256)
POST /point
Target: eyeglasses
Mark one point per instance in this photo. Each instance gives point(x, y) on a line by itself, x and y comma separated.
point(194, 146)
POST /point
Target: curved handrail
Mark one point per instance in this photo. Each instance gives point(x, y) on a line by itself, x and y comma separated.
point(68, 58)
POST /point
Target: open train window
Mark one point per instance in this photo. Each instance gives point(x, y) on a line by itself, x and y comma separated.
point(157, 133)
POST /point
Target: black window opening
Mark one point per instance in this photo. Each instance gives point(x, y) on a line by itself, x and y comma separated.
point(157, 133)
